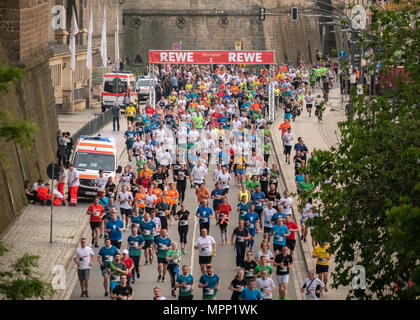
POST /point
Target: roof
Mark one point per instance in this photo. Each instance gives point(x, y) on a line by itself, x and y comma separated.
point(58, 48)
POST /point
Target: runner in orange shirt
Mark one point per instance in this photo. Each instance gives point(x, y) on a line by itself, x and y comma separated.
point(173, 194)
point(149, 172)
point(141, 199)
point(156, 191)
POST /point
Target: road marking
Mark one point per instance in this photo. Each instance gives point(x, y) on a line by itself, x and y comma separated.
point(192, 244)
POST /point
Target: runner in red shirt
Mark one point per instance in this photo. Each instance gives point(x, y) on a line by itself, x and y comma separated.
point(150, 110)
point(95, 211)
point(222, 217)
point(129, 263)
point(293, 227)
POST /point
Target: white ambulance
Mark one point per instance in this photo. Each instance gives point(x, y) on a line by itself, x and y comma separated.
point(91, 155)
point(115, 86)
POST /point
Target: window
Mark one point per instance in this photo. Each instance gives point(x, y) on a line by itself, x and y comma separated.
point(94, 161)
point(56, 75)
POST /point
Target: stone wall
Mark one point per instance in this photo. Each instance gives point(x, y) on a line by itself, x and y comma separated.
point(23, 41)
point(155, 25)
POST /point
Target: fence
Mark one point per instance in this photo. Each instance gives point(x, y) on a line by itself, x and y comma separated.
point(94, 125)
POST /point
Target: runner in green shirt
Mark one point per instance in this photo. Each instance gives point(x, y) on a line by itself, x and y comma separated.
point(263, 266)
point(198, 120)
point(173, 257)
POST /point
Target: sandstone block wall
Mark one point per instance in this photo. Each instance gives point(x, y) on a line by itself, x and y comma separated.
point(24, 26)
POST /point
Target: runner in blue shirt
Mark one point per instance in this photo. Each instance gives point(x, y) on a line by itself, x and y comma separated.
point(163, 243)
point(280, 232)
point(204, 214)
point(251, 219)
point(210, 283)
point(251, 292)
point(243, 208)
point(185, 283)
point(114, 228)
point(147, 226)
point(105, 256)
point(257, 199)
point(134, 244)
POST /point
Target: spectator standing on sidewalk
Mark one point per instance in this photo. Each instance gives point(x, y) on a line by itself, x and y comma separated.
point(83, 257)
point(115, 109)
point(73, 185)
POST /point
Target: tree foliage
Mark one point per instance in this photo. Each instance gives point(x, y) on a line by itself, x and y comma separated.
point(19, 131)
point(370, 208)
point(21, 281)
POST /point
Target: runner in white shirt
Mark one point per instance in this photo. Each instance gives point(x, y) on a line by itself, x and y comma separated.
point(198, 174)
point(224, 178)
point(207, 248)
point(288, 143)
point(312, 286)
point(268, 213)
point(83, 257)
point(286, 202)
point(125, 197)
point(100, 182)
point(266, 285)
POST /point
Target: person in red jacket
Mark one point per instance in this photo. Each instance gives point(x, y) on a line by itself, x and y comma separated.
point(44, 194)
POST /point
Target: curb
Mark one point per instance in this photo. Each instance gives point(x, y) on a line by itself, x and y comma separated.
point(307, 251)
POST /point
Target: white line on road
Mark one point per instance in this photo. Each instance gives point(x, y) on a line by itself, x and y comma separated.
point(192, 244)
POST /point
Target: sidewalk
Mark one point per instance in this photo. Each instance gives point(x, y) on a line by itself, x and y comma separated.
point(31, 232)
point(72, 122)
point(319, 136)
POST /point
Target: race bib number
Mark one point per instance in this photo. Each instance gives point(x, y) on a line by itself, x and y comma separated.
point(240, 239)
point(146, 232)
point(162, 214)
point(223, 216)
point(186, 288)
point(162, 246)
point(134, 244)
point(204, 219)
point(248, 273)
point(117, 278)
point(279, 238)
point(97, 213)
point(322, 259)
point(283, 269)
point(240, 288)
point(183, 222)
point(109, 258)
point(209, 291)
point(251, 226)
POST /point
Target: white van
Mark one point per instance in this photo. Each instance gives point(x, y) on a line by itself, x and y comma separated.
point(91, 155)
point(115, 86)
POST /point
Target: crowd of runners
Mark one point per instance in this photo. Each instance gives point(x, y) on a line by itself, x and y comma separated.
point(208, 125)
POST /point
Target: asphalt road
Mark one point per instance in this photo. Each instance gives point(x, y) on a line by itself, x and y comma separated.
point(224, 262)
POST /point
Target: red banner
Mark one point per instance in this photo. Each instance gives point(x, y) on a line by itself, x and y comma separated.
point(211, 57)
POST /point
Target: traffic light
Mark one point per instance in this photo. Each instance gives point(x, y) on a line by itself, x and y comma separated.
point(262, 13)
point(295, 14)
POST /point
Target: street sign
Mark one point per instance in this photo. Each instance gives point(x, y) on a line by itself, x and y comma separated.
point(342, 53)
point(53, 171)
point(176, 46)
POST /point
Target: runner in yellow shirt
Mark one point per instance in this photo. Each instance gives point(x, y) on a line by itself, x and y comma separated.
point(130, 112)
point(322, 261)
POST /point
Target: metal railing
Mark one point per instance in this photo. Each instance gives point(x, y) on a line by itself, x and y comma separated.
point(93, 125)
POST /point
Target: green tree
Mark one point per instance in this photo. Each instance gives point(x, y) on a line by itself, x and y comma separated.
point(21, 281)
point(370, 204)
point(10, 129)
